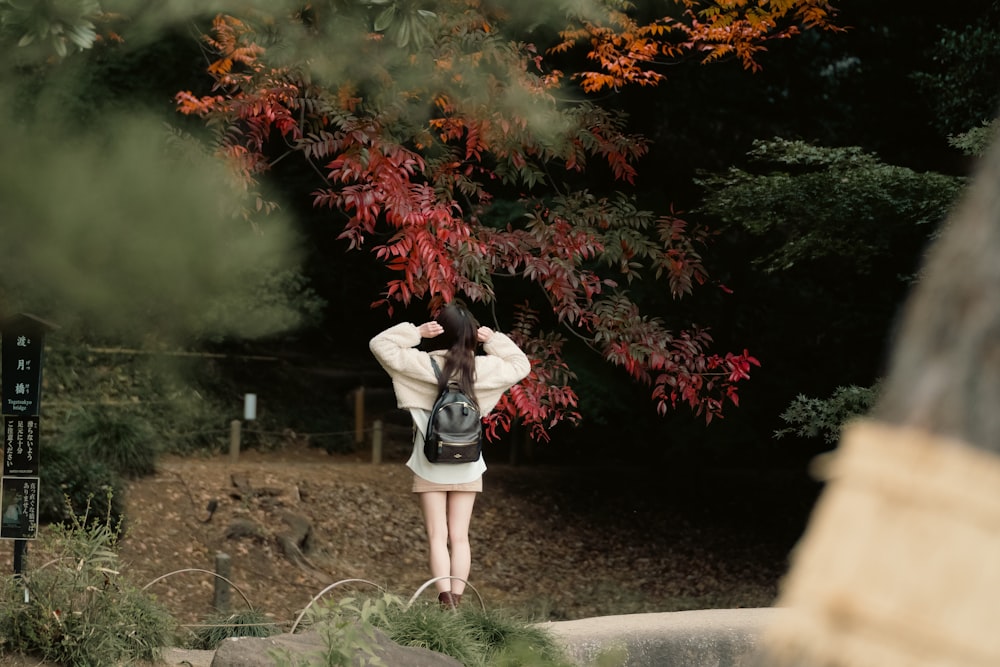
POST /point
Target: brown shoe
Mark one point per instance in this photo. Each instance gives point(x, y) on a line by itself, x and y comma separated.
point(449, 599)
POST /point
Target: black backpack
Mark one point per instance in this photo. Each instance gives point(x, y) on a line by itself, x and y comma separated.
point(455, 429)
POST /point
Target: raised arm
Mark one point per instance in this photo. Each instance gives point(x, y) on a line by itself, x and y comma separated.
point(504, 364)
point(396, 350)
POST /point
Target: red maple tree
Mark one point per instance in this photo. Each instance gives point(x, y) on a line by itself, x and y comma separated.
point(413, 164)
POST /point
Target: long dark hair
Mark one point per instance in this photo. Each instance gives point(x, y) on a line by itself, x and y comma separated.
point(460, 338)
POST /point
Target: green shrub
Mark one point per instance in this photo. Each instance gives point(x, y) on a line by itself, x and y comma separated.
point(474, 637)
point(825, 417)
point(249, 623)
point(428, 626)
point(69, 482)
point(187, 398)
point(123, 441)
point(347, 632)
point(512, 641)
point(73, 607)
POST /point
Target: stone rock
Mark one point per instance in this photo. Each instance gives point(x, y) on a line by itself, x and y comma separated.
point(299, 533)
point(245, 528)
point(308, 648)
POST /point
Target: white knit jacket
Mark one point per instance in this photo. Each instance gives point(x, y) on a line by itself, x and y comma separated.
point(413, 378)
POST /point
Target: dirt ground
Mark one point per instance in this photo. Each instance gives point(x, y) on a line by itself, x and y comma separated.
point(554, 543)
point(559, 543)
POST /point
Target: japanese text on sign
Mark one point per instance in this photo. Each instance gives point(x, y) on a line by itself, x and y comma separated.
point(20, 456)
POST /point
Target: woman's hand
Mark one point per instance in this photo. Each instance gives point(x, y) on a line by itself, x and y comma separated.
point(484, 334)
point(430, 329)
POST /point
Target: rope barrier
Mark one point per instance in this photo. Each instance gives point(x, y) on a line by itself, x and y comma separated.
point(197, 569)
point(316, 434)
point(178, 353)
point(232, 625)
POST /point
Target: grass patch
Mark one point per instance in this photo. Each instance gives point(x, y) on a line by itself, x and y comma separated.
point(510, 640)
point(74, 607)
point(473, 636)
point(122, 440)
point(248, 623)
point(70, 482)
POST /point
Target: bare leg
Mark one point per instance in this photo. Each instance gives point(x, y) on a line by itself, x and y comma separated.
point(460, 505)
point(434, 506)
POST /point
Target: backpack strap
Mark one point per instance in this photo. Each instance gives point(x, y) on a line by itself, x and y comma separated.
point(438, 372)
point(449, 383)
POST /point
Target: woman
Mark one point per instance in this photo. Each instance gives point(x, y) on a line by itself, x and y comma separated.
point(447, 492)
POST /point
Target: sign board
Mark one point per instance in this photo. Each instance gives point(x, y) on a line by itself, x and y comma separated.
point(21, 343)
point(250, 407)
point(20, 445)
point(21, 370)
point(19, 503)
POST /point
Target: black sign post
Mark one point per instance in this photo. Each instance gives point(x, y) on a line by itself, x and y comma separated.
point(21, 343)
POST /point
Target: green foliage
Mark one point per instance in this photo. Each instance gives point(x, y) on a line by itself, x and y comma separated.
point(474, 637)
point(428, 626)
point(71, 482)
point(280, 297)
point(343, 642)
point(80, 609)
point(187, 399)
point(122, 440)
point(405, 23)
point(977, 140)
point(813, 203)
point(836, 235)
point(288, 411)
point(824, 418)
point(177, 254)
point(158, 392)
point(171, 256)
point(347, 631)
point(959, 83)
point(61, 27)
point(511, 641)
point(248, 623)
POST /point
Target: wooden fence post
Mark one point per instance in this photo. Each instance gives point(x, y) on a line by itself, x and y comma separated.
point(377, 442)
point(234, 440)
point(359, 415)
point(223, 567)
